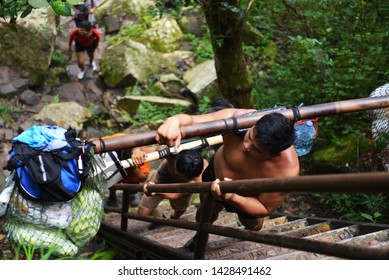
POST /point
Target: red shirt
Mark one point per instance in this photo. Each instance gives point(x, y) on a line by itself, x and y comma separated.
point(132, 178)
point(84, 40)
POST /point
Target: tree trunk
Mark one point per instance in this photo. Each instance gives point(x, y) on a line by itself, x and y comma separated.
point(225, 23)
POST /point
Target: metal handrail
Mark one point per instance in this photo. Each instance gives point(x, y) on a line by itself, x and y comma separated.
point(360, 182)
point(351, 182)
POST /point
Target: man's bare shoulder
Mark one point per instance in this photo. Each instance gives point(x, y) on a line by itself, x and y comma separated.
point(287, 165)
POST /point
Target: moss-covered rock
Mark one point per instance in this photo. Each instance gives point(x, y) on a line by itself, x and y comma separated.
point(346, 156)
point(135, 9)
point(30, 48)
point(164, 35)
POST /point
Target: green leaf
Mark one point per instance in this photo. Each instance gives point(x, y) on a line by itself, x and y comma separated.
point(75, 2)
point(377, 214)
point(367, 216)
point(38, 3)
point(26, 12)
point(61, 8)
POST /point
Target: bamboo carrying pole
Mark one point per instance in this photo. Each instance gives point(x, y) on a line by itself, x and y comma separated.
point(111, 166)
point(201, 143)
point(215, 127)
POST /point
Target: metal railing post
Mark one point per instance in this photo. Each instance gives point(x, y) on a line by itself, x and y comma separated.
point(125, 204)
point(202, 235)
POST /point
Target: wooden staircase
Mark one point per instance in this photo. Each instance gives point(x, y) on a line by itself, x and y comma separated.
point(221, 247)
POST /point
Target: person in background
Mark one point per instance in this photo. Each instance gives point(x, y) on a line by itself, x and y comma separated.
point(135, 175)
point(86, 39)
point(91, 5)
point(186, 167)
point(263, 151)
point(80, 14)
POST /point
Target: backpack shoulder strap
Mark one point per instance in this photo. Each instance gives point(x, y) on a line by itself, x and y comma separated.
point(22, 152)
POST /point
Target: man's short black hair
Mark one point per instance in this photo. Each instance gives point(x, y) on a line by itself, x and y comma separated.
point(274, 132)
point(86, 25)
point(189, 163)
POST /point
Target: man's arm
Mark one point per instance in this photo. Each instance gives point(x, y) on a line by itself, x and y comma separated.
point(97, 34)
point(169, 132)
point(139, 154)
point(71, 39)
point(252, 206)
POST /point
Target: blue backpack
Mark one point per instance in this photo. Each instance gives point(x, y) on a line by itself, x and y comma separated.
point(51, 163)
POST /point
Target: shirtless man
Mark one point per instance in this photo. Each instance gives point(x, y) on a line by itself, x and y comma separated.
point(263, 151)
point(186, 167)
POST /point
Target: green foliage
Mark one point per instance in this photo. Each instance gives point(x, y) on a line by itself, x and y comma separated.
point(148, 111)
point(55, 99)
point(106, 254)
point(134, 31)
point(151, 114)
point(10, 10)
point(172, 7)
point(6, 112)
point(204, 104)
point(201, 46)
point(133, 90)
point(59, 59)
point(30, 252)
point(319, 52)
point(357, 206)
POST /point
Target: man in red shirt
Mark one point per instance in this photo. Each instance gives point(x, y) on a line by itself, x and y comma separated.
point(86, 39)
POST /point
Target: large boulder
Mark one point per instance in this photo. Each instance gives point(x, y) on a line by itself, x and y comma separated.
point(134, 9)
point(31, 47)
point(65, 114)
point(164, 35)
point(202, 80)
point(193, 21)
point(128, 62)
point(130, 104)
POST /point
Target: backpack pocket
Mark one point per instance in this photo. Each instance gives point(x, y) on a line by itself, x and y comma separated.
point(49, 178)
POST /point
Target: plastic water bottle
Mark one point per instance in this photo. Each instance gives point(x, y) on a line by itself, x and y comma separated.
point(305, 136)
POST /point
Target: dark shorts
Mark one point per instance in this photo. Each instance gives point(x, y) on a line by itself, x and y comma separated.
point(90, 49)
point(209, 176)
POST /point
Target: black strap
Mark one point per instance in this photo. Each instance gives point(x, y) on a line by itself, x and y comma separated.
point(102, 144)
point(296, 114)
point(226, 125)
point(204, 143)
point(234, 124)
point(164, 153)
point(119, 167)
point(22, 152)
